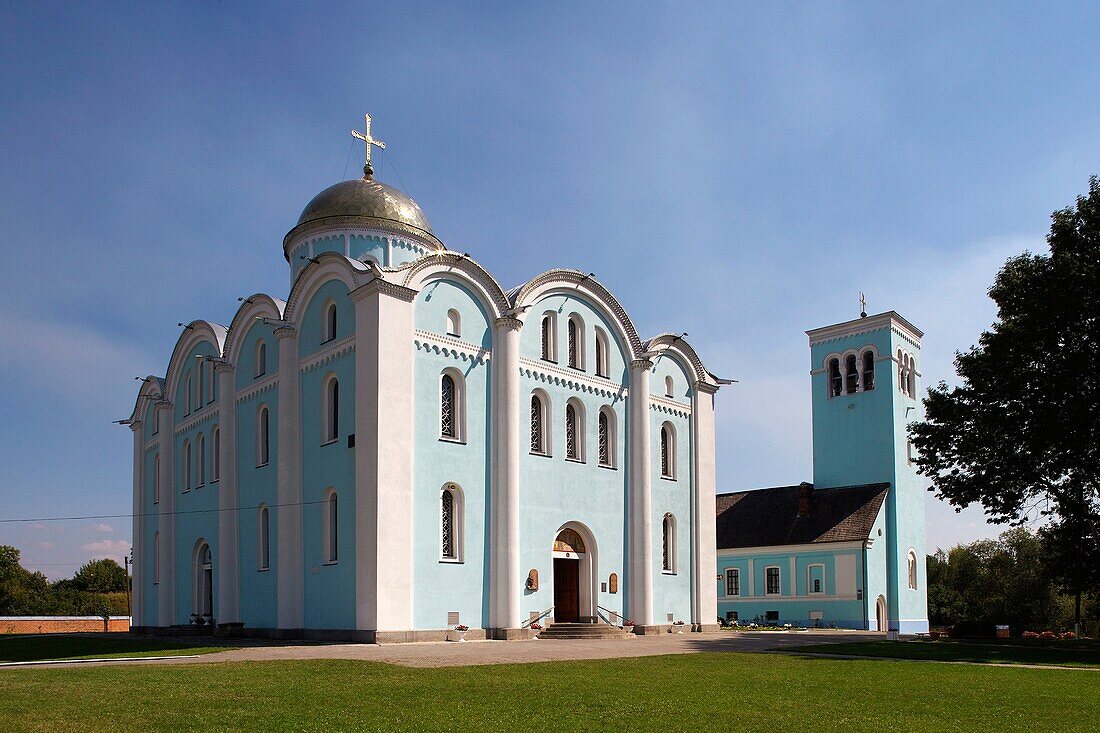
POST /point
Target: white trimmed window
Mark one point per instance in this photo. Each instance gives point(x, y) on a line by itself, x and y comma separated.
point(607, 436)
point(668, 544)
point(575, 342)
point(450, 523)
point(331, 527)
point(187, 395)
point(912, 562)
point(156, 558)
point(670, 387)
point(454, 323)
point(733, 582)
point(815, 579)
point(668, 451)
point(540, 438)
point(263, 436)
point(771, 581)
point(452, 406)
point(200, 383)
point(330, 400)
point(868, 371)
point(836, 384)
point(210, 396)
point(156, 479)
point(216, 454)
point(574, 430)
point(603, 367)
point(259, 361)
point(200, 444)
point(263, 538)
point(186, 465)
point(549, 336)
point(329, 326)
point(851, 375)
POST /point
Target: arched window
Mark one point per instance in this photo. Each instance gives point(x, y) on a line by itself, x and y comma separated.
point(607, 437)
point(216, 454)
point(669, 387)
point(330, 529)
point(263, 437)
point(539, 439)
point(549, 336)
point(187, 395)
point(204, 582)
point(912, 570)
point(263, 538)
point(912, 384)
point(450, 523)
point(259, 367)
point(156, 478)
point(201, 445)
point(574, 430)
point(452, 406)
point(186, 465)
point(834, 378)
point(330, 323)
point(210, 381)
point(156, 558)
point(668, 451)
point(454, 323)
point(868, 371)
point(576, 342)
point(603, 368)
point(668, 544)
point(901, 371)
point(200, 383)
point(331, 402)
point(851, 374)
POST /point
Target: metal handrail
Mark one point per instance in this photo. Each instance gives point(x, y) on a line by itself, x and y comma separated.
point(536, 619)
point(605, 619)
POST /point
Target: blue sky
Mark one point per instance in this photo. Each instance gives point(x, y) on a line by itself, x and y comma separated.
point(736, 171)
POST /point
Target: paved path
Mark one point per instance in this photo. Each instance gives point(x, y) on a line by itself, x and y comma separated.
point(454, 654)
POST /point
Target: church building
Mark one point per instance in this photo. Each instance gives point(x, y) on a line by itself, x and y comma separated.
point(846, 551)
point(402, 445)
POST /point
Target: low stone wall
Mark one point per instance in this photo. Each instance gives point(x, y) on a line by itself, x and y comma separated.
point(61, 624)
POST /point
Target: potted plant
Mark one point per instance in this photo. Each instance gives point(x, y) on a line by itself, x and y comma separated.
point(628, 626)
point(536, 627)
point(460, 631)
point(677, 626)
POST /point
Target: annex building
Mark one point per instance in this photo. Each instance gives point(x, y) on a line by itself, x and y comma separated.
point(401, 444)
point(847, 550)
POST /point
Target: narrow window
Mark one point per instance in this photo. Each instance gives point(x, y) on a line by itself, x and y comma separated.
point(210, 382)
point(156, 558)
point(156, 479)
point(912, 570)
point(454, 323)
point(549, 337)
point(816, 577)
point(851, 374)
point(901, 372)
point(668, 544)
point(447, 407)
point(575, 335)
point(669, 387)
point(834, 378)
point(263, 534)
point(733, 582)
point(187, 397)
point(331, 528)
point(448, 525)
point(216, 455)
point(186, 465)
point(771, 587)
point(263, 437)
point(604, 438)
point(330, 323)
point(668, 451)
point(200, 381)
point(868, 371)
point(332, 409)
point(202, 459)
point(602, 368)
point(912, 377)
point(572, 450)
point(538, 436)
point(260, 367)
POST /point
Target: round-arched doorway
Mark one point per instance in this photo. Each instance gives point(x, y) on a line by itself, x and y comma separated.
point(203, 584)
point(574, 558)
point(880, 613)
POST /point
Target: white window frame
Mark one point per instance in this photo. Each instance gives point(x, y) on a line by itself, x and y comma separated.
point(575, 333)
point(810, 580)
point(546, 414)
point(580, 438)
point(612, 438)
point(454, 323)
point(668, 544)
point(912, 568)
point(263, 539)
point(330, 413)
point(603, 354)
point(215, 454)
point(259, 359)
point(329, 321)
point(156, 558)
point(200, 450)
point(670, 386)
point(263, 435)
point(330, 527)
point(156, 478)
point(548, 337)
point(779, 579)
point(668, 430)
point(186, 466)
point(736, 572)
point(458, 517)
point(187, 397)
point(458, 409)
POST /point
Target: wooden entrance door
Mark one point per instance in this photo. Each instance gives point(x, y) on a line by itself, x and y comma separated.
point(567, 596)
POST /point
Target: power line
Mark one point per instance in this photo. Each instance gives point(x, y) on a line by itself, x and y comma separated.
point(156, 514)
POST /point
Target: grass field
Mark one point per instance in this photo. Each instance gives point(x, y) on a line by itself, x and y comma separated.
point(34, 647)
point(727, 692)
point(1014, 651)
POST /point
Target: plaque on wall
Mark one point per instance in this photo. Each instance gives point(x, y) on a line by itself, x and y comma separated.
point(613, 583)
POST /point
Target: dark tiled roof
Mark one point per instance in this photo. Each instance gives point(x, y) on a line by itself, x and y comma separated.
point(766, 517)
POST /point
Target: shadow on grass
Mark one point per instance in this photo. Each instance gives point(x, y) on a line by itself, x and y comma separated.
point(1062, 654)
point(37, 647)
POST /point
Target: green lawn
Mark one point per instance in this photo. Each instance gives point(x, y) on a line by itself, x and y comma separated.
point(33, 647)
point(1014, 651)
point(722, 692)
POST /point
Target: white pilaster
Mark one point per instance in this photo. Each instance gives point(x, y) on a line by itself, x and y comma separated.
point(166, 522)
point(138, 544)
point(383, 456)
point(228, 520)
point(289, 580)
point(504, 568)
point(705, 565)
point(640, 493)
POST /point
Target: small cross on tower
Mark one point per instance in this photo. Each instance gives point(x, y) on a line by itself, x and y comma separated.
point(862, 306)
point(368, 170)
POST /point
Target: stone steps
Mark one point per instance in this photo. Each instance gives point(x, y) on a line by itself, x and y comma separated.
point(572, 630)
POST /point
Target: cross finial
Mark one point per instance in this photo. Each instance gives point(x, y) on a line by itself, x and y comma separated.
point(862, 305)
point(365, 136)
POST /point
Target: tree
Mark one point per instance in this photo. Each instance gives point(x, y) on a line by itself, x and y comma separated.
point(21, 591)
point(100, 576)
point(1020, 434)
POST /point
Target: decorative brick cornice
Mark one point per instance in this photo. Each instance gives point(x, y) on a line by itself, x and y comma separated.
point(194, 421)
point(509, 322)
point(427, 341)
point(256, 388)
point(644, 364)
point(286, 332)
point(859, 326)
point(570, 379)
point(663, 404)
point(330, 353)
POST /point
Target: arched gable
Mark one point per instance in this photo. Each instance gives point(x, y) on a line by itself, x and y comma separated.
point(193, 334)
point(463, 269)
point(255, 306)
point(574, 283)
point(151, 392)
point(677, 347)
point(325, 268)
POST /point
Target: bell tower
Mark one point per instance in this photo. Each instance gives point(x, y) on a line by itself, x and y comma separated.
point(864, 376)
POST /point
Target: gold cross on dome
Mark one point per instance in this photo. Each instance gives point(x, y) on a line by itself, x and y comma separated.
point(862, 305)
point(368, 170)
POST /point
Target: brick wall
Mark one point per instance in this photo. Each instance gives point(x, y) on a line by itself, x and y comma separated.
point(60, 624)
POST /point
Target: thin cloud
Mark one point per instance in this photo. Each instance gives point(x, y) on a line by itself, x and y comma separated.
point(108, 548)
point(104, 528)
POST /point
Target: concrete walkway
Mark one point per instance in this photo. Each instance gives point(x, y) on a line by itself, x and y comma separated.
point(454, 654)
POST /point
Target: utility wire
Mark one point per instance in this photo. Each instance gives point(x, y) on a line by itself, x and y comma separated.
point(157, 514)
